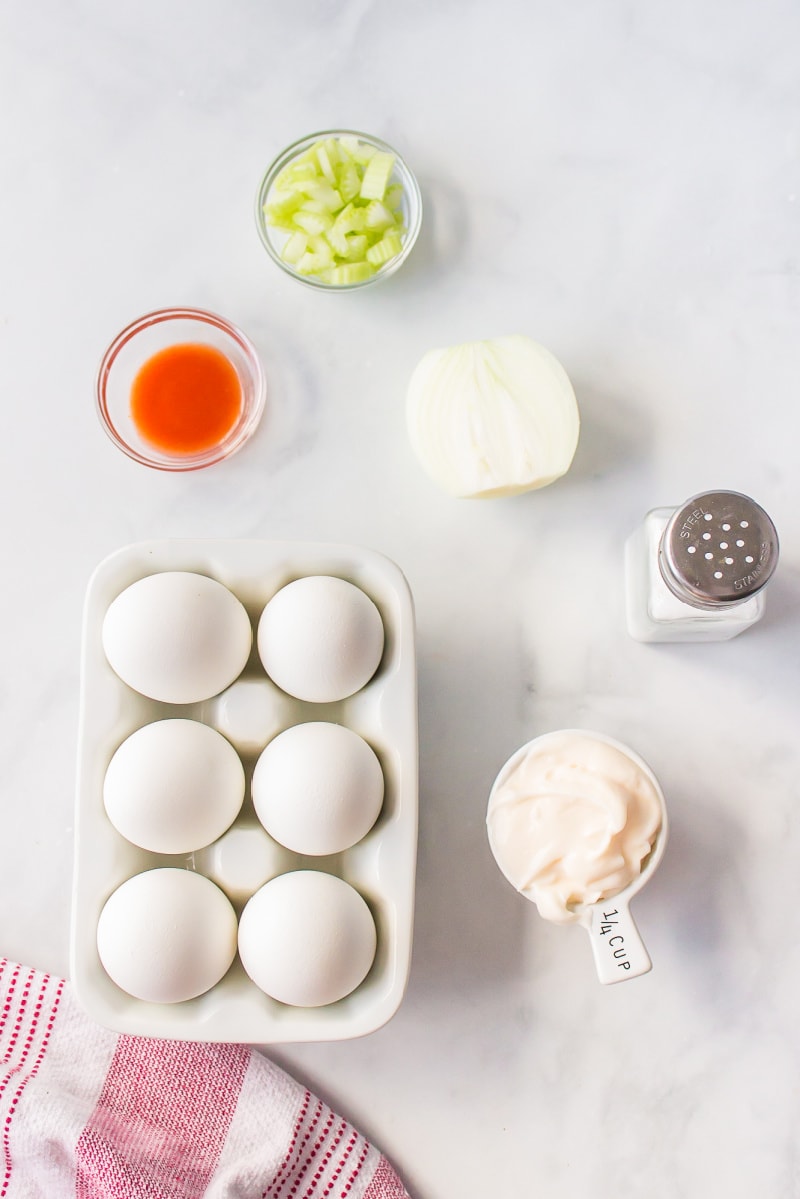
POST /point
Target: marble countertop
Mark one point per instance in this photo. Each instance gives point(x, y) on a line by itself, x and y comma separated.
point(622, 183)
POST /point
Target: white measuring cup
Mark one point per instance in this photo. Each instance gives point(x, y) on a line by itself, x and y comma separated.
point(618, 950)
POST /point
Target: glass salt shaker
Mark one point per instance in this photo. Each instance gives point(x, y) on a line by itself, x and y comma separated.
point(698, 572)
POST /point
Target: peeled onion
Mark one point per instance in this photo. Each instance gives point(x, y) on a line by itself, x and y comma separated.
point(492, 418)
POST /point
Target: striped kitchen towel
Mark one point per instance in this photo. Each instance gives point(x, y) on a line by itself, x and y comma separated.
point(85, 1112)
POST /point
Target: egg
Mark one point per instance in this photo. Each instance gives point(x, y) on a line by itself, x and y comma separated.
point(320, 638)
point(166, 935)
point(177, 637)
point(307, 938)
point(174, 786)
point(318, 788)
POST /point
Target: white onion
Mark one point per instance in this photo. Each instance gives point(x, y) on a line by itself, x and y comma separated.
point(492, 418)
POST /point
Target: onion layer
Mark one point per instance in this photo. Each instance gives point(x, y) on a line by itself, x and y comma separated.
point(492, 418)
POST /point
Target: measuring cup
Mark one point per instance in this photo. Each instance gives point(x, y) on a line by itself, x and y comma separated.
point(618, 950)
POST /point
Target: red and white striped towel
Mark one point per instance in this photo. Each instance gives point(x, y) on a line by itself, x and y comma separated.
point(88, 1113)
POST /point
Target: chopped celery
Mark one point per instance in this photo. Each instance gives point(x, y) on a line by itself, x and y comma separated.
point(394, 197)
point(314, 206)
point(295, 248)
point(376, 176)
point(311, 264)
point(349, 181)
point(351, 272)
point(338, 239)
point(326, 166)
point(293, 173)
point(357, 247)
point(321, 190)
point(384, 250)
point(340, 210)
point(360, 152)
point(378, 216)
point(313, 222)
point(281, 202)
point(352, 219)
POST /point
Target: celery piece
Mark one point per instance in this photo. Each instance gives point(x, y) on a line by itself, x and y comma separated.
point(282, 222)
point(363, 153)
point(384, 250)
point(337, 236)
point(348, 183)
point(307, 155)
point(321, 190)
point(326, 166)
point(282, 203)
point(293, 173)
point(355, 247)
point(376, 176)
point(352, 219)
point(351, 272)
point(310, 264)
point(295, 248)
point(321, 248)
point(394, 196)
point(349, 221)
point(313, 222)
point(378, 216)
point(350, 145)
point(312, 206)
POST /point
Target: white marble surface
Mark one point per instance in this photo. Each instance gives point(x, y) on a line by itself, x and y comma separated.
point(619, 181)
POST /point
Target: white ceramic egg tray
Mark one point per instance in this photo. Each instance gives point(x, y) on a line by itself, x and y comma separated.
point(381, 866)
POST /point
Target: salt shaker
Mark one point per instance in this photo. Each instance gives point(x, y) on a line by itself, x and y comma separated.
point(698, 572)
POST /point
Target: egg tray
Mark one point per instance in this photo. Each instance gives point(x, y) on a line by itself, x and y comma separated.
point(381, 866)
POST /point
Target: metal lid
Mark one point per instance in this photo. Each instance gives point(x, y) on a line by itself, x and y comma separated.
point(719, 549)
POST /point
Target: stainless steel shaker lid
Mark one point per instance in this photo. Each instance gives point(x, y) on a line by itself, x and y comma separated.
point(720, 548)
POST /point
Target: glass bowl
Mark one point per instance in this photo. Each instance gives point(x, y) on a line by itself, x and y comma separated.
point(275, 238)
point(137, 344)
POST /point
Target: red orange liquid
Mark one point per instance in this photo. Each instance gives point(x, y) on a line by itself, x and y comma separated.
point(186, 398)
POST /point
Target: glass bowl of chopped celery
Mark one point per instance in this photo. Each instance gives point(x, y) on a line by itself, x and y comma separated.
point(339, 210)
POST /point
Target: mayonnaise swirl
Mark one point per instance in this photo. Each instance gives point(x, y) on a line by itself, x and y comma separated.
point(571, 821)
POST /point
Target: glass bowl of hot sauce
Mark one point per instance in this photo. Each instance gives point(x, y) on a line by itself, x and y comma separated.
point(180, 389)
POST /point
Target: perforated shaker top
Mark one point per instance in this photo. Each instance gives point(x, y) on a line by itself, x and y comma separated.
point(720, 548)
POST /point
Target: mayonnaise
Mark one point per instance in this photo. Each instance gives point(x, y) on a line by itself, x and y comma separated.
point(571, 820)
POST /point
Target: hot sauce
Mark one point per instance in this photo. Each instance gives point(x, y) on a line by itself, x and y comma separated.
point(186, 398)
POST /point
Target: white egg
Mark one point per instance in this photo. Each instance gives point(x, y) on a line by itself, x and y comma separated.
point(167, 935)
point(177, 637)
point(318, 788)
point(307, 938)
point(320, 638)
point(174, 786)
